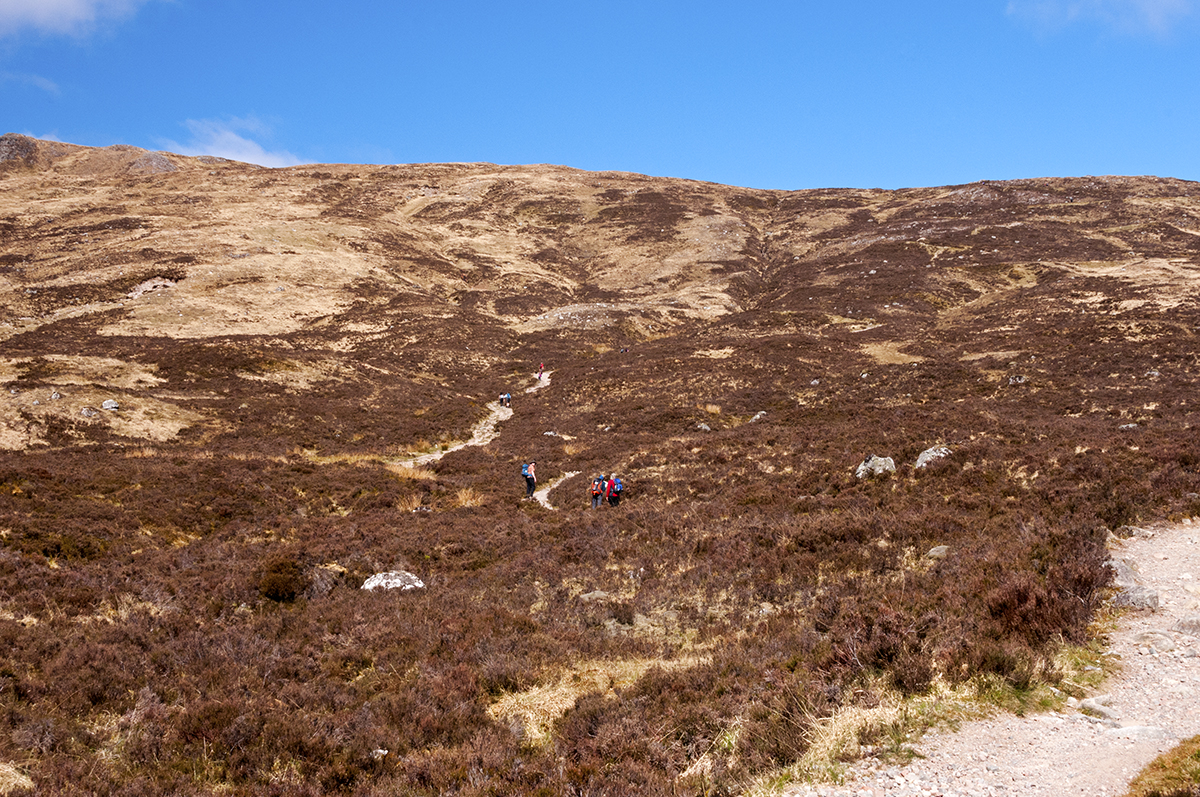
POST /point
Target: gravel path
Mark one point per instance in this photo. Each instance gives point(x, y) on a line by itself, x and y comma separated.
point(1152, 703)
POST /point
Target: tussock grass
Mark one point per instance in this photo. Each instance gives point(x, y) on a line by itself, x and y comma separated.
point(468, 497)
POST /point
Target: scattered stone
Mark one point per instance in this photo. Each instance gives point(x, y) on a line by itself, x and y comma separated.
point(395, 579)
point(1139, 732)
point(1158, 641)
point(88, 412)
point(931, 455)
point(1017, 380)
point(938, 552)
point(757, 415)
point(597, 595)
point(109, 404)
point(704, 427)
point(875, 466)
point(56, 395)
point(1188, 625)
point(1128, 426)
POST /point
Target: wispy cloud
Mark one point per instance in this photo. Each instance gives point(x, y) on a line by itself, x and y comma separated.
point(1158, 17)
point(74, 17)
point(228, 139)
point(23, 79)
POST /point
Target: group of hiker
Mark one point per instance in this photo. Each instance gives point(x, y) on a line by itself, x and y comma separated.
point(602, 488)
point(606, 488)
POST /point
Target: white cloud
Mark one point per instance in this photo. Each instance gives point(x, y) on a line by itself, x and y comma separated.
point(224, 139)
point(61, 16)
point(1125, 16)
point(37, 81)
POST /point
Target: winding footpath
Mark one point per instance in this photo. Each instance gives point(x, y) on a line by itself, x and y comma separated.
point(485, 432)
point(1151, 704)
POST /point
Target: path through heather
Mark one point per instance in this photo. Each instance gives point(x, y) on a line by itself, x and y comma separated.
point(1154, 702)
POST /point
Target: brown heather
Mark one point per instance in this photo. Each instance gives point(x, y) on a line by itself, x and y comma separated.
point(179, 602)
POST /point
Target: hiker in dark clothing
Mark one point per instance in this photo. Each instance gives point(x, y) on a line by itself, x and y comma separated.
point(506, 399)
point(597, 490)
point(530, 473)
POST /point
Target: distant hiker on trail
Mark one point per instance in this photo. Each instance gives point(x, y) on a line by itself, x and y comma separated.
point(530, 473)
point(541, 370)
point(615, 488)
point(599, 486)
point(506, 399)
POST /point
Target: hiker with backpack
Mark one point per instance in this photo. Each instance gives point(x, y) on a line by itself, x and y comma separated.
point(529, 471)
point(615, 488)
point(599, 485)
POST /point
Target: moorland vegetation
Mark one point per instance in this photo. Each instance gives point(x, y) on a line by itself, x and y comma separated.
point(180, 610)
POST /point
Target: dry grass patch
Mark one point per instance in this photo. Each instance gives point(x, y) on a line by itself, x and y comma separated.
point(536, 709)
point(13, 779)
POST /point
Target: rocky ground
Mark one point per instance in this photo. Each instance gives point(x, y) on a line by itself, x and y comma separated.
point(1145, 709)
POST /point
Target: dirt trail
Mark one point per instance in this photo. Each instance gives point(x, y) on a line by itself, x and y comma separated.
point(482, 433)
point(1154, 701)
point(543, 495)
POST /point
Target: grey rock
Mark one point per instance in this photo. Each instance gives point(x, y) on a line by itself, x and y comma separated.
point(1099, 705)
point(56, 395)
point(1160, 641)
point(875, 466)
point(151, 163)
point(704, 427)
point(938, 552)
point(1017, 380)
point(322, 579)
point(758, 415)
point(395, 579)
point(597, 595)
point(1126, 572)
point(1136, 597)
point(1188, 625)
point(1128, 426)
point(88, 412)
point(109, 404)
point(931, 455)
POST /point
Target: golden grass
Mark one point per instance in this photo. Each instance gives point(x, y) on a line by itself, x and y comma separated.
point(1175, 773)
point(409, 503)
point(536, 709)
point(12, 779)
point(468, 497)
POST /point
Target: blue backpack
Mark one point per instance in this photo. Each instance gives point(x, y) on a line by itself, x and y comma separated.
point(525, 469)
point(618, 486)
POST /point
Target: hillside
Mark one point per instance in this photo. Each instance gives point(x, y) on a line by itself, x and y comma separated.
point(179, 576)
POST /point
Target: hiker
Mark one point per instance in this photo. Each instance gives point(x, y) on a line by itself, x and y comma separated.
point(506, 400)
point(615, 488)
point(530, 473)
point(541, 370)
point(597, 489)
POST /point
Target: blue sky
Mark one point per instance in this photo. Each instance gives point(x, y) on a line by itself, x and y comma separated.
point(762, 93)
